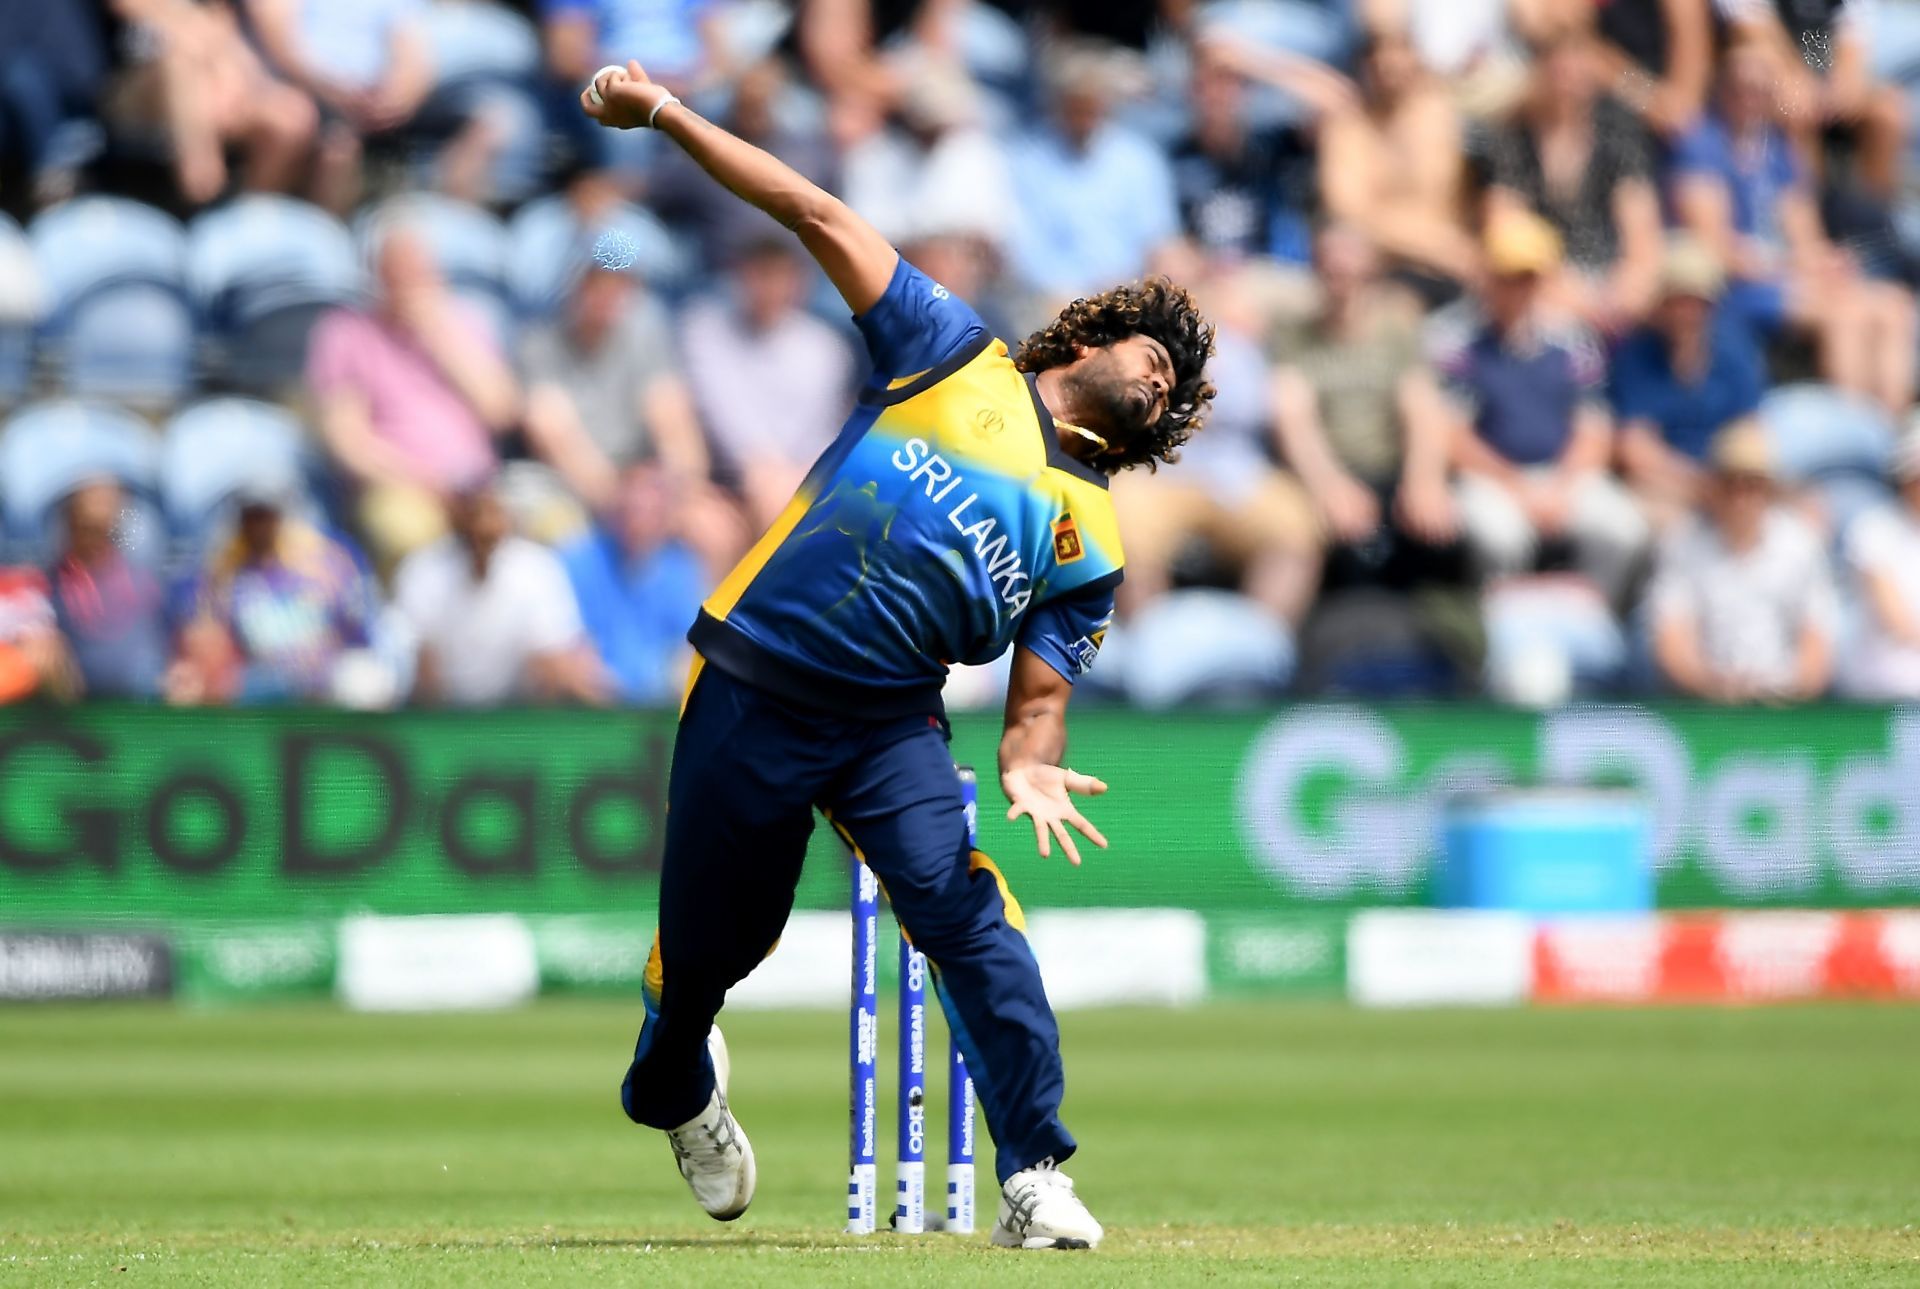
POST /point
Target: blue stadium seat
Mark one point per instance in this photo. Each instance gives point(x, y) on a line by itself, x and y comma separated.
point(1893, 43)
point(1846, 497)
point(118, 322)
point(480, 41)
point(263, 268)
point(49, 449)
point(1202, 646)
point(1818, 430)
point(469, 244)
point(21, 306)
point(213, 449)
point(550, 246)
point(94, 242)
point(1310, 28)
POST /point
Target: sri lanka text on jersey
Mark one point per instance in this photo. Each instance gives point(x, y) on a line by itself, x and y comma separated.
point(917, 459)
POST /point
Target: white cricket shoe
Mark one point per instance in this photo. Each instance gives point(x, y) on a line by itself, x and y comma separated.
point(1038, 1210)
point(712, 1151)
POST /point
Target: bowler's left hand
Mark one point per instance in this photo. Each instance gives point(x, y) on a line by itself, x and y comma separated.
point(1044, 793)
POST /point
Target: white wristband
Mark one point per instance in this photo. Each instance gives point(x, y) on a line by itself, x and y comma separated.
point(671, 98)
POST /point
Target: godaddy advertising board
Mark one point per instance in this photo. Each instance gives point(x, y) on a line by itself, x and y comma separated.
point(159, 817)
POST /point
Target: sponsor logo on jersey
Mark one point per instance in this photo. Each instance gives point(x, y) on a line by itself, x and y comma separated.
point(1086, 649)
point(1066, 540)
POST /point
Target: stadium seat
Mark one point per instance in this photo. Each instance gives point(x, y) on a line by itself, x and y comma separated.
point(480, 40)
point(468, 243)
point(1817, 430)
point(1846, 496)
point(1550, 637)
point(118, 324)
point(21, 307)
point(1311, 29)
point(214, 448)
point(1203, 646)
point(1894, 42)
point(550, 246)
point(49, 449)
point(263, 268)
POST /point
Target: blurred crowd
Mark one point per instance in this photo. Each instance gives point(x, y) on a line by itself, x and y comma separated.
point(1566, 347)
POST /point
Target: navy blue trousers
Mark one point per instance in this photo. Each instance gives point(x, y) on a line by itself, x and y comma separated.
point(749, 769)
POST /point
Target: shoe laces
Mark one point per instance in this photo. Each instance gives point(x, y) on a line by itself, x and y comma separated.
point(1047, 1179)
point(705, 1146)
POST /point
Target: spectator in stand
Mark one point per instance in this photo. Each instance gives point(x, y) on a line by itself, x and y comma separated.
point(1395, 168)
point(492, 615)
point(409, 396)
point(368, 65)
point(1247, 192)
point(193, 73)
point(33, 657)
point(1695, 369)
point(1824, 75)
point(110, 609)
point(640, 586)
point(770, 380)
point(54, 62)
point(602, 391)
point(1738, 186)
point(1096, 199)
point(1581, 160)
point(1533, 461)
point(1476, 47)
point(1361, 418)
point(1657, 57)
point(1883, 556)
point(1742, 605)
point(277, 608)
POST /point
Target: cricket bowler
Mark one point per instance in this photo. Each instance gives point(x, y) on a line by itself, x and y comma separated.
point(962, 511)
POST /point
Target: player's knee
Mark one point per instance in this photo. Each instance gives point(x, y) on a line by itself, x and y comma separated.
point(972, 923)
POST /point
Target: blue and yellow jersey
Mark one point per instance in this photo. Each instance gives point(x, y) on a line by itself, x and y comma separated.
point(944, 525)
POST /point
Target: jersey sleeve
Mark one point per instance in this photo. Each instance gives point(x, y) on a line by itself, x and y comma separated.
point(916, 325)
point(1067, 632)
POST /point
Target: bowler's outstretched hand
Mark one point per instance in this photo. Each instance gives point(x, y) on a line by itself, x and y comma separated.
point(1044, 794)
point(622, 99)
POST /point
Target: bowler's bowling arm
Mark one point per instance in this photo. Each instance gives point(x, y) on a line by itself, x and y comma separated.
point(1031, 746)
point(856, 258)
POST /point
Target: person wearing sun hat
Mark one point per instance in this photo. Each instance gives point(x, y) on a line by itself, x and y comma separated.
point(1742, 606)
point(1696, 367)
point(1882, 555)
point(1533, 462)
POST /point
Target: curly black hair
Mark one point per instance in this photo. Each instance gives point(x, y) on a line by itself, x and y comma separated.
point(1155, 308)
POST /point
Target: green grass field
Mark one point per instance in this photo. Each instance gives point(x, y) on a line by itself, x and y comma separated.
point(1255, 1144)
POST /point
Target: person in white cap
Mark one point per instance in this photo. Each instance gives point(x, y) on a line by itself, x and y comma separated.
point(1883, 558)
point(1743, 607)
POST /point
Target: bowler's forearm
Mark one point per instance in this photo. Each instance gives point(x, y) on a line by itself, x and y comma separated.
point(1033, 736)
point(856, 258)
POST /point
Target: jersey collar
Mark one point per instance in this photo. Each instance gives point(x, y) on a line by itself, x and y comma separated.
point(1057, 456)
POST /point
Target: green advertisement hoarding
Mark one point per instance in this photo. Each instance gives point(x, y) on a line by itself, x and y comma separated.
point(166, 816)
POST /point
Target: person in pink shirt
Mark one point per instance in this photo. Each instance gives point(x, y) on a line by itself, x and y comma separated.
point(410, 396)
